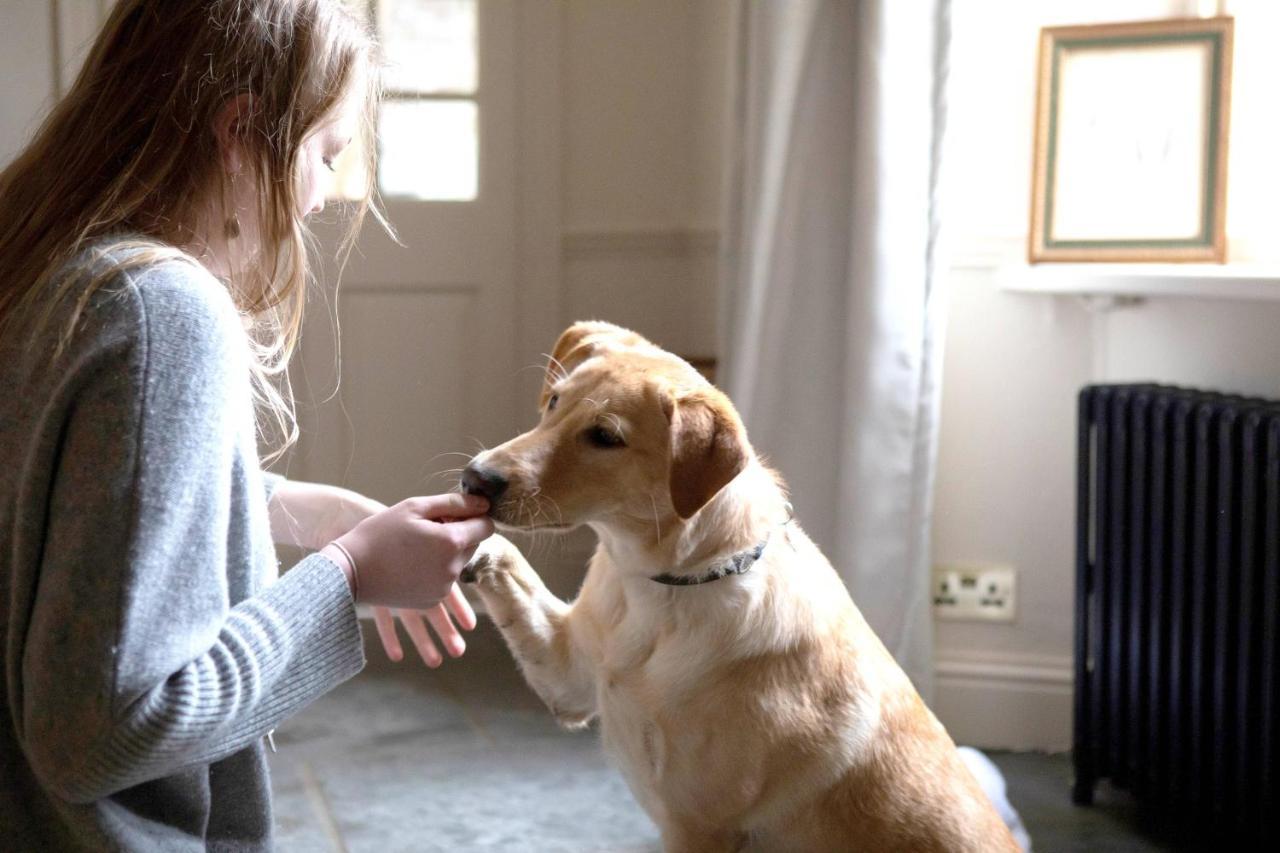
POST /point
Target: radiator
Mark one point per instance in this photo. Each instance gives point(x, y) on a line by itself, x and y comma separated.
point(1177, 648)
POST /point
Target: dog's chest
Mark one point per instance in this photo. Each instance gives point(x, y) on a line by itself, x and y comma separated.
point(655, 664)
point(660, 648)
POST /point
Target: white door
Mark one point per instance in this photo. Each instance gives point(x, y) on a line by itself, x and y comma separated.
point(428, 361)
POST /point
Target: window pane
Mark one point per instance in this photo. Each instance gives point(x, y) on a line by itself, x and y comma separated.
point(428, 150)
point(429, 45)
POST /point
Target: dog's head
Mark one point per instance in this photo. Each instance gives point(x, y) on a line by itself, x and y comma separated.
point(629, 434)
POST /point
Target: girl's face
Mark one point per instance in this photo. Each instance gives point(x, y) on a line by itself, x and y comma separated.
point(319, 151)
point(224, 254)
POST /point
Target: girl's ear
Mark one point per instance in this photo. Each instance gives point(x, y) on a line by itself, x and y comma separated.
point(578, 343)
point(708, 449)
point(230, 127)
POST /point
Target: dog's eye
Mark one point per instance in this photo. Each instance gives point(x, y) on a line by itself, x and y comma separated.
point(601, 437)
point(551, 403)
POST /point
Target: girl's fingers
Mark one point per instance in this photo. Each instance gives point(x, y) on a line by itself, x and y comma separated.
point(412, 622)
point(386, 624)
point(458, 605)
point(472, 531)
point(446, 631)
point(452, 505)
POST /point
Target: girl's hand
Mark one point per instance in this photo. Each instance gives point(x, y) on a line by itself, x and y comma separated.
point(313, 514)
point(455, 608)
point(408, 557)
point(349, 509)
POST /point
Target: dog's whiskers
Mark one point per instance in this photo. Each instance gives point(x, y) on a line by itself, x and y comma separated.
point(427, 479)
point(540, 505)
point(536, 513)
point(449, 453)
point(559, 516)
point(451, 475)
point(549, 541)
point(555, 367)
point(528, 367)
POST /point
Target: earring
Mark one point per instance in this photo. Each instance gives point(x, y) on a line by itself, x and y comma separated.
point(232, 227)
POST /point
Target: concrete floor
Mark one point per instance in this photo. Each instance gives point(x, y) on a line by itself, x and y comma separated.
point(466, 758)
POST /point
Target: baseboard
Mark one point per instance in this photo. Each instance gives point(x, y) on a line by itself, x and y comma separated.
point(1018, 702)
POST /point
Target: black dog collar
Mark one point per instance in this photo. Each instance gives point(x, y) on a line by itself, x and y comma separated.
point(738, 564)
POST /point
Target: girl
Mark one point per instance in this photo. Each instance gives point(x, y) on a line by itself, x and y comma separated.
point(152, 267)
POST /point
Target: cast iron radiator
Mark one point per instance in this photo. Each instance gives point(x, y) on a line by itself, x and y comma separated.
point(1177, 647)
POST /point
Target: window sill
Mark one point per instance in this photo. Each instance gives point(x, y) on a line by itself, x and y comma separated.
point(1126, 283)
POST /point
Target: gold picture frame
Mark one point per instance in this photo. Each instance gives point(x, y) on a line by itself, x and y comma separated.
point(1130, 158)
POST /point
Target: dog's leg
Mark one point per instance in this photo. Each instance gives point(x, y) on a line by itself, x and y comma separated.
point(537, 628)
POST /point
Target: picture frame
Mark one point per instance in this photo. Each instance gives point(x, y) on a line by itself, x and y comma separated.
point(1130, 157)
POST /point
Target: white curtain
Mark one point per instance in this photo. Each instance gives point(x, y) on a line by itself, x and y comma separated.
point(830, 329)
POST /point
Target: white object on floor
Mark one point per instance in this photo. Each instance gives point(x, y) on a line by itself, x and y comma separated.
point(992, 781)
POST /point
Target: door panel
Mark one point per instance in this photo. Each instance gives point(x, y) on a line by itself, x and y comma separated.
point(383, 430)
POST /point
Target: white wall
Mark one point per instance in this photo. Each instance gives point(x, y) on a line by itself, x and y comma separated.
point(1006, 480)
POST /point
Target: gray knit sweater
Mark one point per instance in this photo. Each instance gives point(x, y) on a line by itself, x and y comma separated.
point(148, 647)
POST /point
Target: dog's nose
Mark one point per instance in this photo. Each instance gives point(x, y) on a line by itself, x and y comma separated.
point(484, 482)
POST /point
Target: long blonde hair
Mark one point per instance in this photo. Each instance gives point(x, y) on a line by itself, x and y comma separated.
point(132, 146)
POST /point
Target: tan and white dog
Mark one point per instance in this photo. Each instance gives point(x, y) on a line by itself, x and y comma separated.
point(739, 689)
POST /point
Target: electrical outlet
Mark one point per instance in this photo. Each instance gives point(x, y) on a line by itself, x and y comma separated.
point(975, 592)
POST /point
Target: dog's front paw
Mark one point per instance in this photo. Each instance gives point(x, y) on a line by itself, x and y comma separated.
point(494, 555)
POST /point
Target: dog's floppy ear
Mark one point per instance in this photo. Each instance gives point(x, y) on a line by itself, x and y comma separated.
point(578, 343)
point(708, 449)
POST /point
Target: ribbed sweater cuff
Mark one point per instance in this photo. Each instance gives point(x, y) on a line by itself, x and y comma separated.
point(315, 597)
